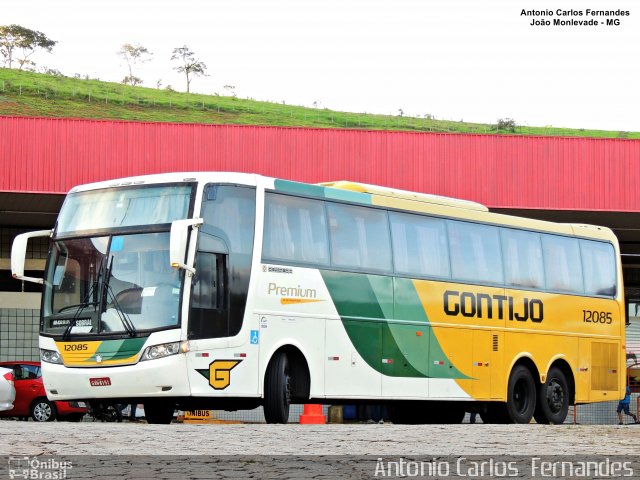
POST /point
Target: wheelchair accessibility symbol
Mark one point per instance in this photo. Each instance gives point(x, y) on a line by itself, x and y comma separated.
point(254, 338)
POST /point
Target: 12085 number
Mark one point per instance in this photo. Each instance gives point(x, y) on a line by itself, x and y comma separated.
point(76, 347)
point(595, 316)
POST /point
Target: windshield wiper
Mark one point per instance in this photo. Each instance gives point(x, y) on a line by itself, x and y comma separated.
point(85, 302)
point(122, 315)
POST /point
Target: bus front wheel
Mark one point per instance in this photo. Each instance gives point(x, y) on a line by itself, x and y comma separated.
point(277, 390)
point(553, 398)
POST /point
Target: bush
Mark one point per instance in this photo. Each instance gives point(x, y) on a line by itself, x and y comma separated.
point(508, 124)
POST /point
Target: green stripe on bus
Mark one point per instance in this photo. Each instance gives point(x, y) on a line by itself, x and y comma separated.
point(409, 308)
point(394, 338)
point(119, 349)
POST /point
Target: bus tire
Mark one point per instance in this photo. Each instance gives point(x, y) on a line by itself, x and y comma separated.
point(277, 390)
point(158, 412)
point(521, 395)
point(553, 398)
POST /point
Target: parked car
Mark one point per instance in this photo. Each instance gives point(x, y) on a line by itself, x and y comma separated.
point(7, 390)
point(31, 399)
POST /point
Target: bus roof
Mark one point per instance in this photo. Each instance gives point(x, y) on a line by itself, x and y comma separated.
point(225, 177)
point(465, 210)
point(368, 195)
point(395, 193)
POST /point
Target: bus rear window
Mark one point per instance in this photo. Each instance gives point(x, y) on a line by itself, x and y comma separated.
point(599, 266)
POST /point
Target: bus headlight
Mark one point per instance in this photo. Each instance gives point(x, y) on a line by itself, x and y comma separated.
point(50, 356)
point(164, 350)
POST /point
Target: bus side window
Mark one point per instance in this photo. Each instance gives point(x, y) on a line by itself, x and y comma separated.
point(475, 252)
point(562, 263)
point(419, 245)
point(205, 283)
point(522, 254)
point(209, 315)
point(295, 230)
point(359, 237)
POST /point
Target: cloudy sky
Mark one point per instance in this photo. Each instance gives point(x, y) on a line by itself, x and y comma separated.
point(476, 60)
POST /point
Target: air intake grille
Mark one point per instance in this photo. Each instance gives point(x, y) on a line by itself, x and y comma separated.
point(495, 343)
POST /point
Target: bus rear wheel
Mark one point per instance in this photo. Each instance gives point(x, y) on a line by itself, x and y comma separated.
point(277, 390)
point(553, 398)
point(521, 395)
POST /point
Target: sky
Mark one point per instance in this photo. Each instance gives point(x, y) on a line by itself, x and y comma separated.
point(471, 60)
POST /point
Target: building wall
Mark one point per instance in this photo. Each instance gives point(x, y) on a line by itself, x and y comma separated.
point(19, 334)
point(500, 171)
point(20, 301)
point(19, 325)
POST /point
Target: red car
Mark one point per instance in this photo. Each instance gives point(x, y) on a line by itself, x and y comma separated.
point(31, 399)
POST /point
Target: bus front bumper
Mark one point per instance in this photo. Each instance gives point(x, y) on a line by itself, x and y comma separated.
point(163, 377)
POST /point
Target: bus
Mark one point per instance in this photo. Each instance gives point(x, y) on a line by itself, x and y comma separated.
point(231, 291)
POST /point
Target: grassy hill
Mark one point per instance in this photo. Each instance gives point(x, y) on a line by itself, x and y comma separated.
point(36, 94)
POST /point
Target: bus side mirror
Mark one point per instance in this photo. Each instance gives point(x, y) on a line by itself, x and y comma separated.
point(19, 253)
point(178, 242)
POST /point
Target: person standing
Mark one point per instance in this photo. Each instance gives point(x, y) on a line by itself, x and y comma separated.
point(623, 406)
point(132, 412)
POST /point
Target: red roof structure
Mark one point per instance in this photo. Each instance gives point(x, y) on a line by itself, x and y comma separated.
point(45, 155)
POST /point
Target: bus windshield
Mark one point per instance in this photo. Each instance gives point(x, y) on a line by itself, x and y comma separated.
point(111, 284)
point(123, 207)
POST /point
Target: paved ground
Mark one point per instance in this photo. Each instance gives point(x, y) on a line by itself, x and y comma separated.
point(90, 450)
point(94, 438)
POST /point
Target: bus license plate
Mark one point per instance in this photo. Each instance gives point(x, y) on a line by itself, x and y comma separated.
point(100, 382)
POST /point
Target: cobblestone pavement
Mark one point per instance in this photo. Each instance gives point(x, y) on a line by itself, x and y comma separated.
point(89, 438)
point(107, 451)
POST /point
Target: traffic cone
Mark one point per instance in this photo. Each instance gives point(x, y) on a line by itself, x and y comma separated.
point(312, 414)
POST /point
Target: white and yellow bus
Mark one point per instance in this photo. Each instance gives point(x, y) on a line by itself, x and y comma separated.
point(230, 291)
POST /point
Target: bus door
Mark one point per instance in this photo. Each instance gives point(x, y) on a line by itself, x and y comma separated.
point(208, 322)
point(224, 356)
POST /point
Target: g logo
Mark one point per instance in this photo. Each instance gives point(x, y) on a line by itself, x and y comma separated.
point(220, 373)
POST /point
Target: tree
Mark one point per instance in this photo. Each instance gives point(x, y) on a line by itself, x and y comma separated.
point(16, 38)
point(133, 55)
point(132, 80)
point(190, 66)
point(508, 124)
